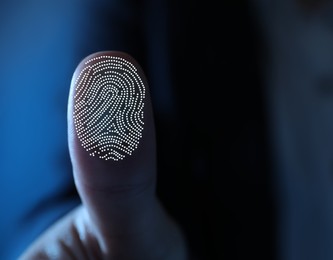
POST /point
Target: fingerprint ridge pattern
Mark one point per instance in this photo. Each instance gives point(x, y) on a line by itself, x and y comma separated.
point(108, 107)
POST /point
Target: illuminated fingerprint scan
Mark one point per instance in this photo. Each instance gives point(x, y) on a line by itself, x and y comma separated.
point(108, 110)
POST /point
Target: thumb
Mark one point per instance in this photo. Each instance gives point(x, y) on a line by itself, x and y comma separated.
point(112, 148)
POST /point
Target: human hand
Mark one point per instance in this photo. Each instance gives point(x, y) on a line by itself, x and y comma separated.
point(120, 216)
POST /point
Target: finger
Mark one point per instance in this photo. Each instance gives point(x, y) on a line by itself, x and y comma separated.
point(112, 147)
point(65, 239)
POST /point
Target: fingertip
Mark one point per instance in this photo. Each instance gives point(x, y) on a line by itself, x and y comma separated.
point(111, 131)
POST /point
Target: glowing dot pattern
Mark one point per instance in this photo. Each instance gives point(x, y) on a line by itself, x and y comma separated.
point(108, 107)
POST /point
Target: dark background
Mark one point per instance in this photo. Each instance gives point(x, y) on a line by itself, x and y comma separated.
point(221, 166)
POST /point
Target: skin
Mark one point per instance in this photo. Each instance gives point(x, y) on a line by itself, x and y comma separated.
point(120, 216)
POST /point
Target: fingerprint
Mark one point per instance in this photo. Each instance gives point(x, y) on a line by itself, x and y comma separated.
point(108, 109)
